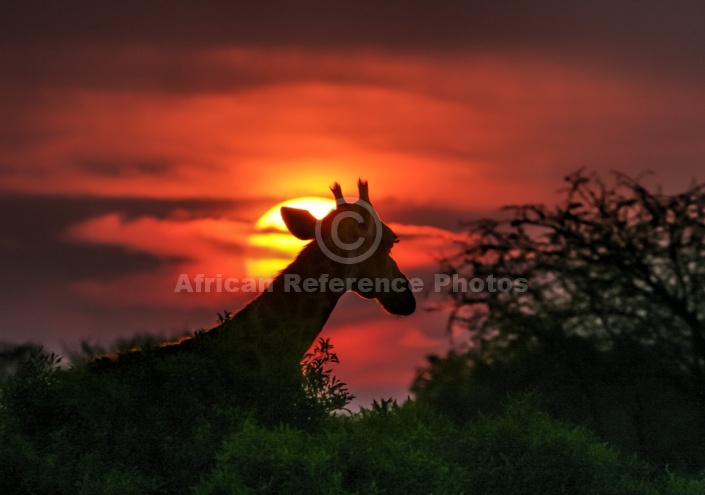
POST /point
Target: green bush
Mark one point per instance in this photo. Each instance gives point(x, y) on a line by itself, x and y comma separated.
point(618, 393)
point(151, 424)
point(410, 450)
point(174, 425)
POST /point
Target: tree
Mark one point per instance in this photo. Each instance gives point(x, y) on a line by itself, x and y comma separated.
point(605, 315)
point(621, 266)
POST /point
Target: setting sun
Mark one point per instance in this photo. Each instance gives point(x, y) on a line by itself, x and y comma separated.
point(271, 247)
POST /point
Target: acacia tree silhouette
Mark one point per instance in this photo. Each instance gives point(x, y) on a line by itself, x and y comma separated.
point(618, 265)
point(610, 327)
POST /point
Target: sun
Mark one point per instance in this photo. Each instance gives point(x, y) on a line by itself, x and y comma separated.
point(271, 247)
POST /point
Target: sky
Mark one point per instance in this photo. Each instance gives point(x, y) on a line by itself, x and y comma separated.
point(143, 140)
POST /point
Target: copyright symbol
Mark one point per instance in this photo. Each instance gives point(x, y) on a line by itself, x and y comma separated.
point(350, 246)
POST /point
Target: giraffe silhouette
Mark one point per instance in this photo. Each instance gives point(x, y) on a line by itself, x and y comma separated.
point(350, 250)
point(160, 415)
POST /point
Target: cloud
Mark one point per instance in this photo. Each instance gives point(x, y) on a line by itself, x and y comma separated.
point(206, 243)
point(227, 118)
point(477, 128)
point(234, 48)
point(130, 169)
point(59, 286)
point(396, 24)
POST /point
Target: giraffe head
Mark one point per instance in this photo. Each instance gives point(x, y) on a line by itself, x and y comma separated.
point(357, 245)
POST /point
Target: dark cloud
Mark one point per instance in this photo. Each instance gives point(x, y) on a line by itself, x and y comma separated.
point(394, 23)
point(442, 217)
point(38, 218)
point(35, 276)
point(143, 68)
point(58, 263)
point(34, 250)
point(128, 169)
point(37, 262)
point(653, 36)
point(235, 248)
point(166, 69)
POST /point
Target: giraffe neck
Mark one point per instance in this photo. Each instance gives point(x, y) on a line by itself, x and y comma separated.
point(288, 318)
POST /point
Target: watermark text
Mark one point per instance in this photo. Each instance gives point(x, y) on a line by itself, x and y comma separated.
point(290, 282)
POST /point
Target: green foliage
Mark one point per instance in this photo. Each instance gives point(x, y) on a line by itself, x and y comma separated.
point(616, 393)
point(526, 452)
point(409, 450)
point(132, 428)
point(171, 425)
point(280, 460)
point(152, 423)
point(319, 382)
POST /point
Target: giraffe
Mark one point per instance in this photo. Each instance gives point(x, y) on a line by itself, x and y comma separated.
point(152, 411)
point(350, 250)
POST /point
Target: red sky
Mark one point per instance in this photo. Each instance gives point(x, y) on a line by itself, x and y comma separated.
point(140, 142)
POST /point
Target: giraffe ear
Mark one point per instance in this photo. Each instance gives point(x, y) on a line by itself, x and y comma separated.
point(299, 222)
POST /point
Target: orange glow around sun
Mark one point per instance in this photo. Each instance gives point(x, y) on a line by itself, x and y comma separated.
point(271, 247)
